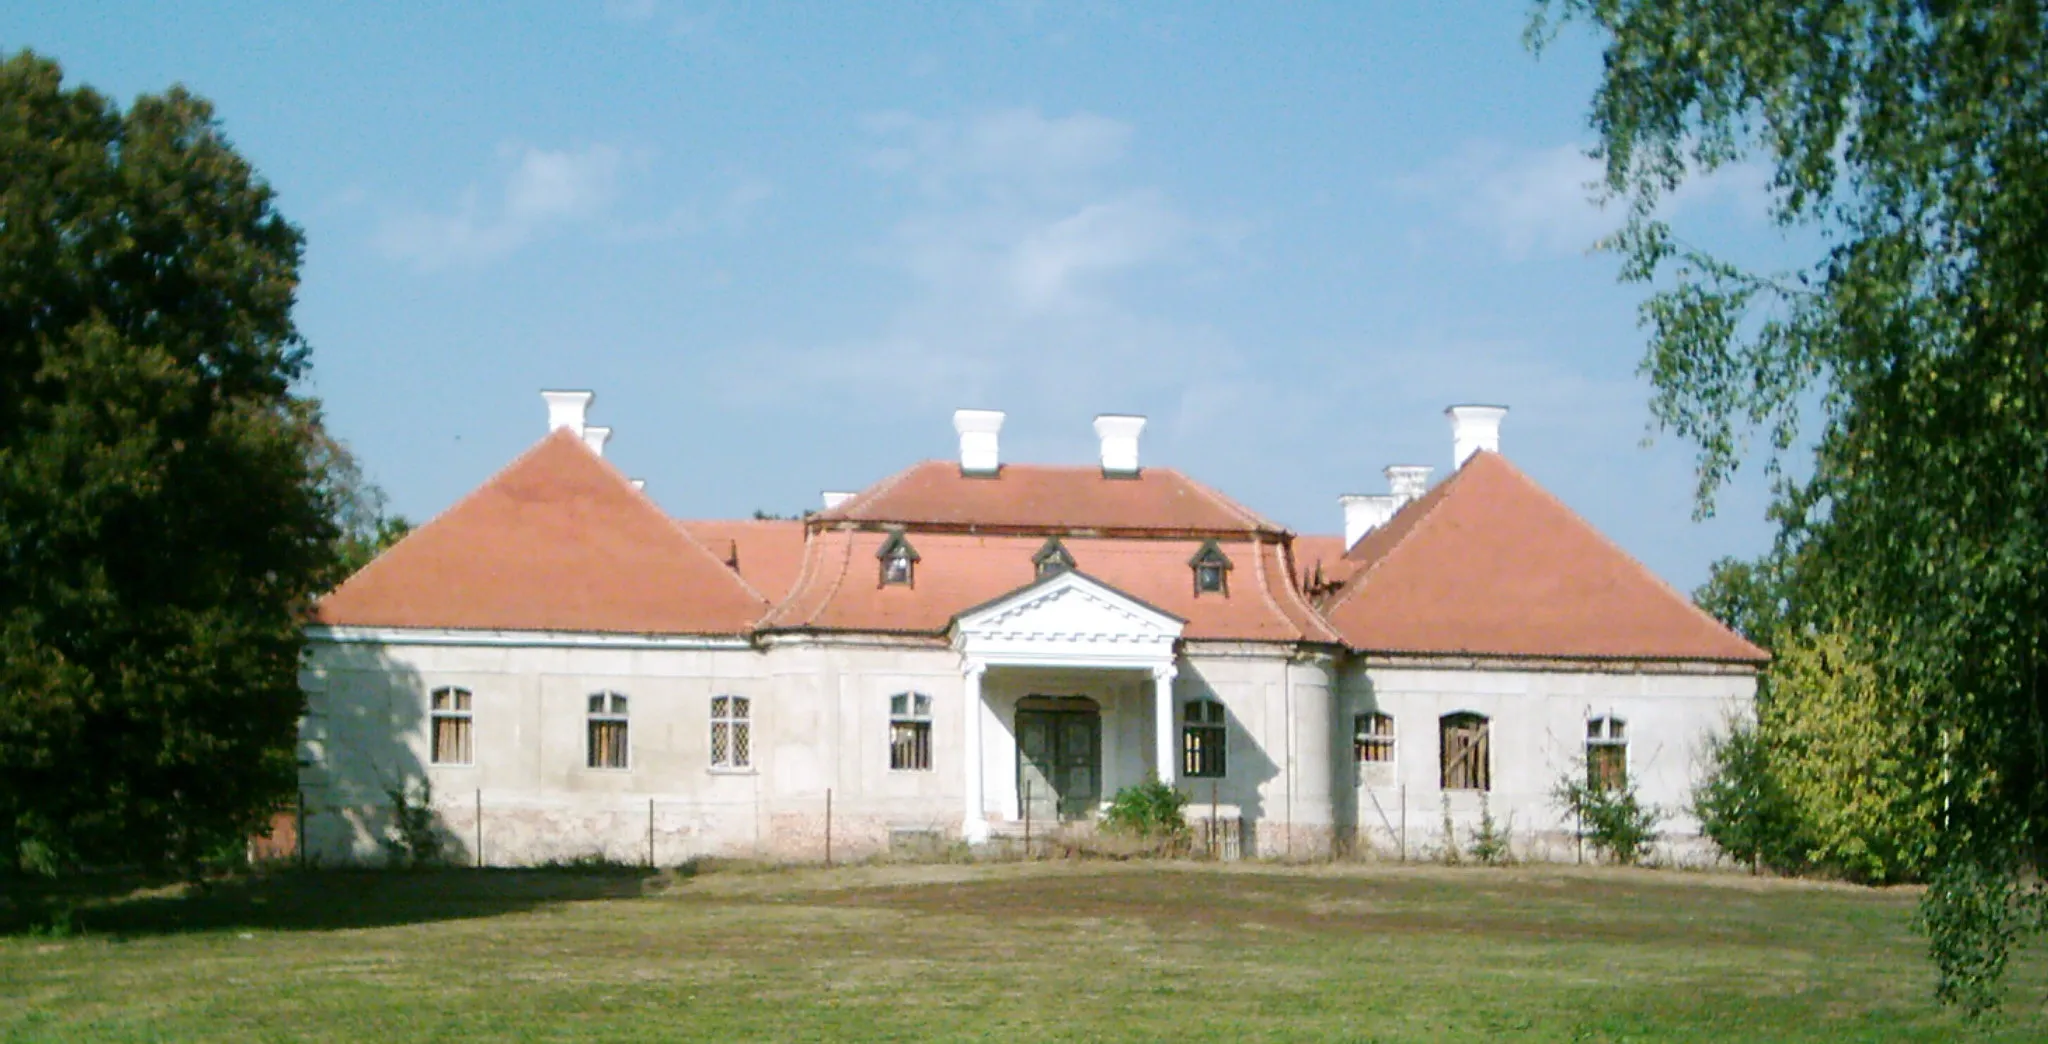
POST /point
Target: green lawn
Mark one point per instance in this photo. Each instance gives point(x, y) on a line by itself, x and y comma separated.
point(1065, 951)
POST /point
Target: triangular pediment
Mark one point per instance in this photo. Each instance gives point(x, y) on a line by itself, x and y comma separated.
point(1072, 612)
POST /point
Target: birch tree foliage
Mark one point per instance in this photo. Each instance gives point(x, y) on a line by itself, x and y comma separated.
point(1912, 137)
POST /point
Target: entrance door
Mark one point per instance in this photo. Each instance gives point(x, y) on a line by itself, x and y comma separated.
point(1059, 761)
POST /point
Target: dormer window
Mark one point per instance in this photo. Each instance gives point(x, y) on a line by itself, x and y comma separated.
point(1212, 570)
point(1052, 559)
point(899, 561)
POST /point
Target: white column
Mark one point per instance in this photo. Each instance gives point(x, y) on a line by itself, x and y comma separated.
point(1168, 754)
point(974, 826)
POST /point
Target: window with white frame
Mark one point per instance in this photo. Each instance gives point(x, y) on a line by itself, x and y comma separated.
point(731, 732)
point(1203, 739)
point(1372, 738)
point(449, 719)
point(607, 730)
point(1463, 746)
point(1606, 753)
point(910, 732)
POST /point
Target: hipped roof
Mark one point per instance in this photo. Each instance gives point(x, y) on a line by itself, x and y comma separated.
point(557, 541)
point(1488, 563)
point(1048, 498)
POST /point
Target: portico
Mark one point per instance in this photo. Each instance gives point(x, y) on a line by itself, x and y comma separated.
point(1042, 667)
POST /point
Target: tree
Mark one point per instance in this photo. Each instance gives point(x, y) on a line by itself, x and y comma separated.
point(163, 518)
point(1908, 137)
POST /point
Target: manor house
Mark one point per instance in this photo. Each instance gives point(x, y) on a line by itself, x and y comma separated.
point(973, 647)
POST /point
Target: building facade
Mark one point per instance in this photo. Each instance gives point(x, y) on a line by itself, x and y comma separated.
point(975, 649)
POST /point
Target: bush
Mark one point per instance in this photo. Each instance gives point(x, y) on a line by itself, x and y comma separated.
point(1490, 839)
point(414, 838)
point(1614, 819)
point(1151, 810)
point(1744, 810)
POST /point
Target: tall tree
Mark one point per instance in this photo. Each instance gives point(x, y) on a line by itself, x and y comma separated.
point(163, 516)
point(1913, 137)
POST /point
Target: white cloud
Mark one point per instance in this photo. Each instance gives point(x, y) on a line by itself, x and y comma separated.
point(541, 189)
point(1031, 263)
point(1547, 202)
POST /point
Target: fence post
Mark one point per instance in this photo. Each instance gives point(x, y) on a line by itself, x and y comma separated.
point(299, 830)
point(650, 833)
point(1027, 820)
point(828, 826)
point(1404, 822)
point(479, 828)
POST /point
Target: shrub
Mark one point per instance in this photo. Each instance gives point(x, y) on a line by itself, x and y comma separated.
point(1151, 810)
point(1742, 807)
point(1490, 839)
point(1450, 854)
point(1614, 819)
point(414, 838)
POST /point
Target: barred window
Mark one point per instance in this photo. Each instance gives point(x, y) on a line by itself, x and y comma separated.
point(731, 732)
point(1372, 737)
point(1607, 753)
point(607, 730)
point(450, 719)
point(910, 731)
point(1462, 743)
point(1202, 740)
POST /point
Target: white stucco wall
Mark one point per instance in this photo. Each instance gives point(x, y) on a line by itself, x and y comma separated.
point(1538, 731)
point(820, 723)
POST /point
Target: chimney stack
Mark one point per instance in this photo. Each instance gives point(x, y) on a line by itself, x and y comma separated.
point(978, 430)
point(1474, 428)
point(1407, 482)
point(1365, 512)
point(834, 499)
point(567, 409)
point(595, 437)
point(1119, 434)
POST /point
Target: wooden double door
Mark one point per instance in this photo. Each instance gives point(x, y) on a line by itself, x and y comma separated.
point(1059, 758)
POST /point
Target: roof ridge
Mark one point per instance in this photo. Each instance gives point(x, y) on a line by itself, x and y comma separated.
point(1250, 517)
point(1633, 561)
point(1285, 550)
point(797, 586)
point(677, 525)
point(474, 492)
point(873, 492)
point(1440, 494)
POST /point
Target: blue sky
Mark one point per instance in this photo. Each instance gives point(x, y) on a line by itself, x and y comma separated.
point(784, 242)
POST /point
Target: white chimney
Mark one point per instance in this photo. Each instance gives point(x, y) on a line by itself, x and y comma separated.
point(640, 484)
point(978, 430)
point(567, 409)
point(1408, 481)
point(595, 437)
point(1119, 434)
point(1365, 512)
point(1474, 428)
point(834, 499)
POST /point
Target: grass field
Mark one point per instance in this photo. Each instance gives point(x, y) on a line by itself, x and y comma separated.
point(1059, 951)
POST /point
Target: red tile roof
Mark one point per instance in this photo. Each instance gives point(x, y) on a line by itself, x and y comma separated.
point(766, 552)
point(1048, 498)
point(1319, 563)
point(1490, 563)
point(557, 541)
point(840, 589)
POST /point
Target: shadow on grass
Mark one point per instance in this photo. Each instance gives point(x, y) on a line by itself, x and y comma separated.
point(308, 900)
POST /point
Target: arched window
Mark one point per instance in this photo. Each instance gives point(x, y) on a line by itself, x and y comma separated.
point(1606, 753)
point(1462, 744)
point(607, 730)
point(1372, 738)
point(450, 717)
point(910, 732)
point(732, 727)
point(1203, 739)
